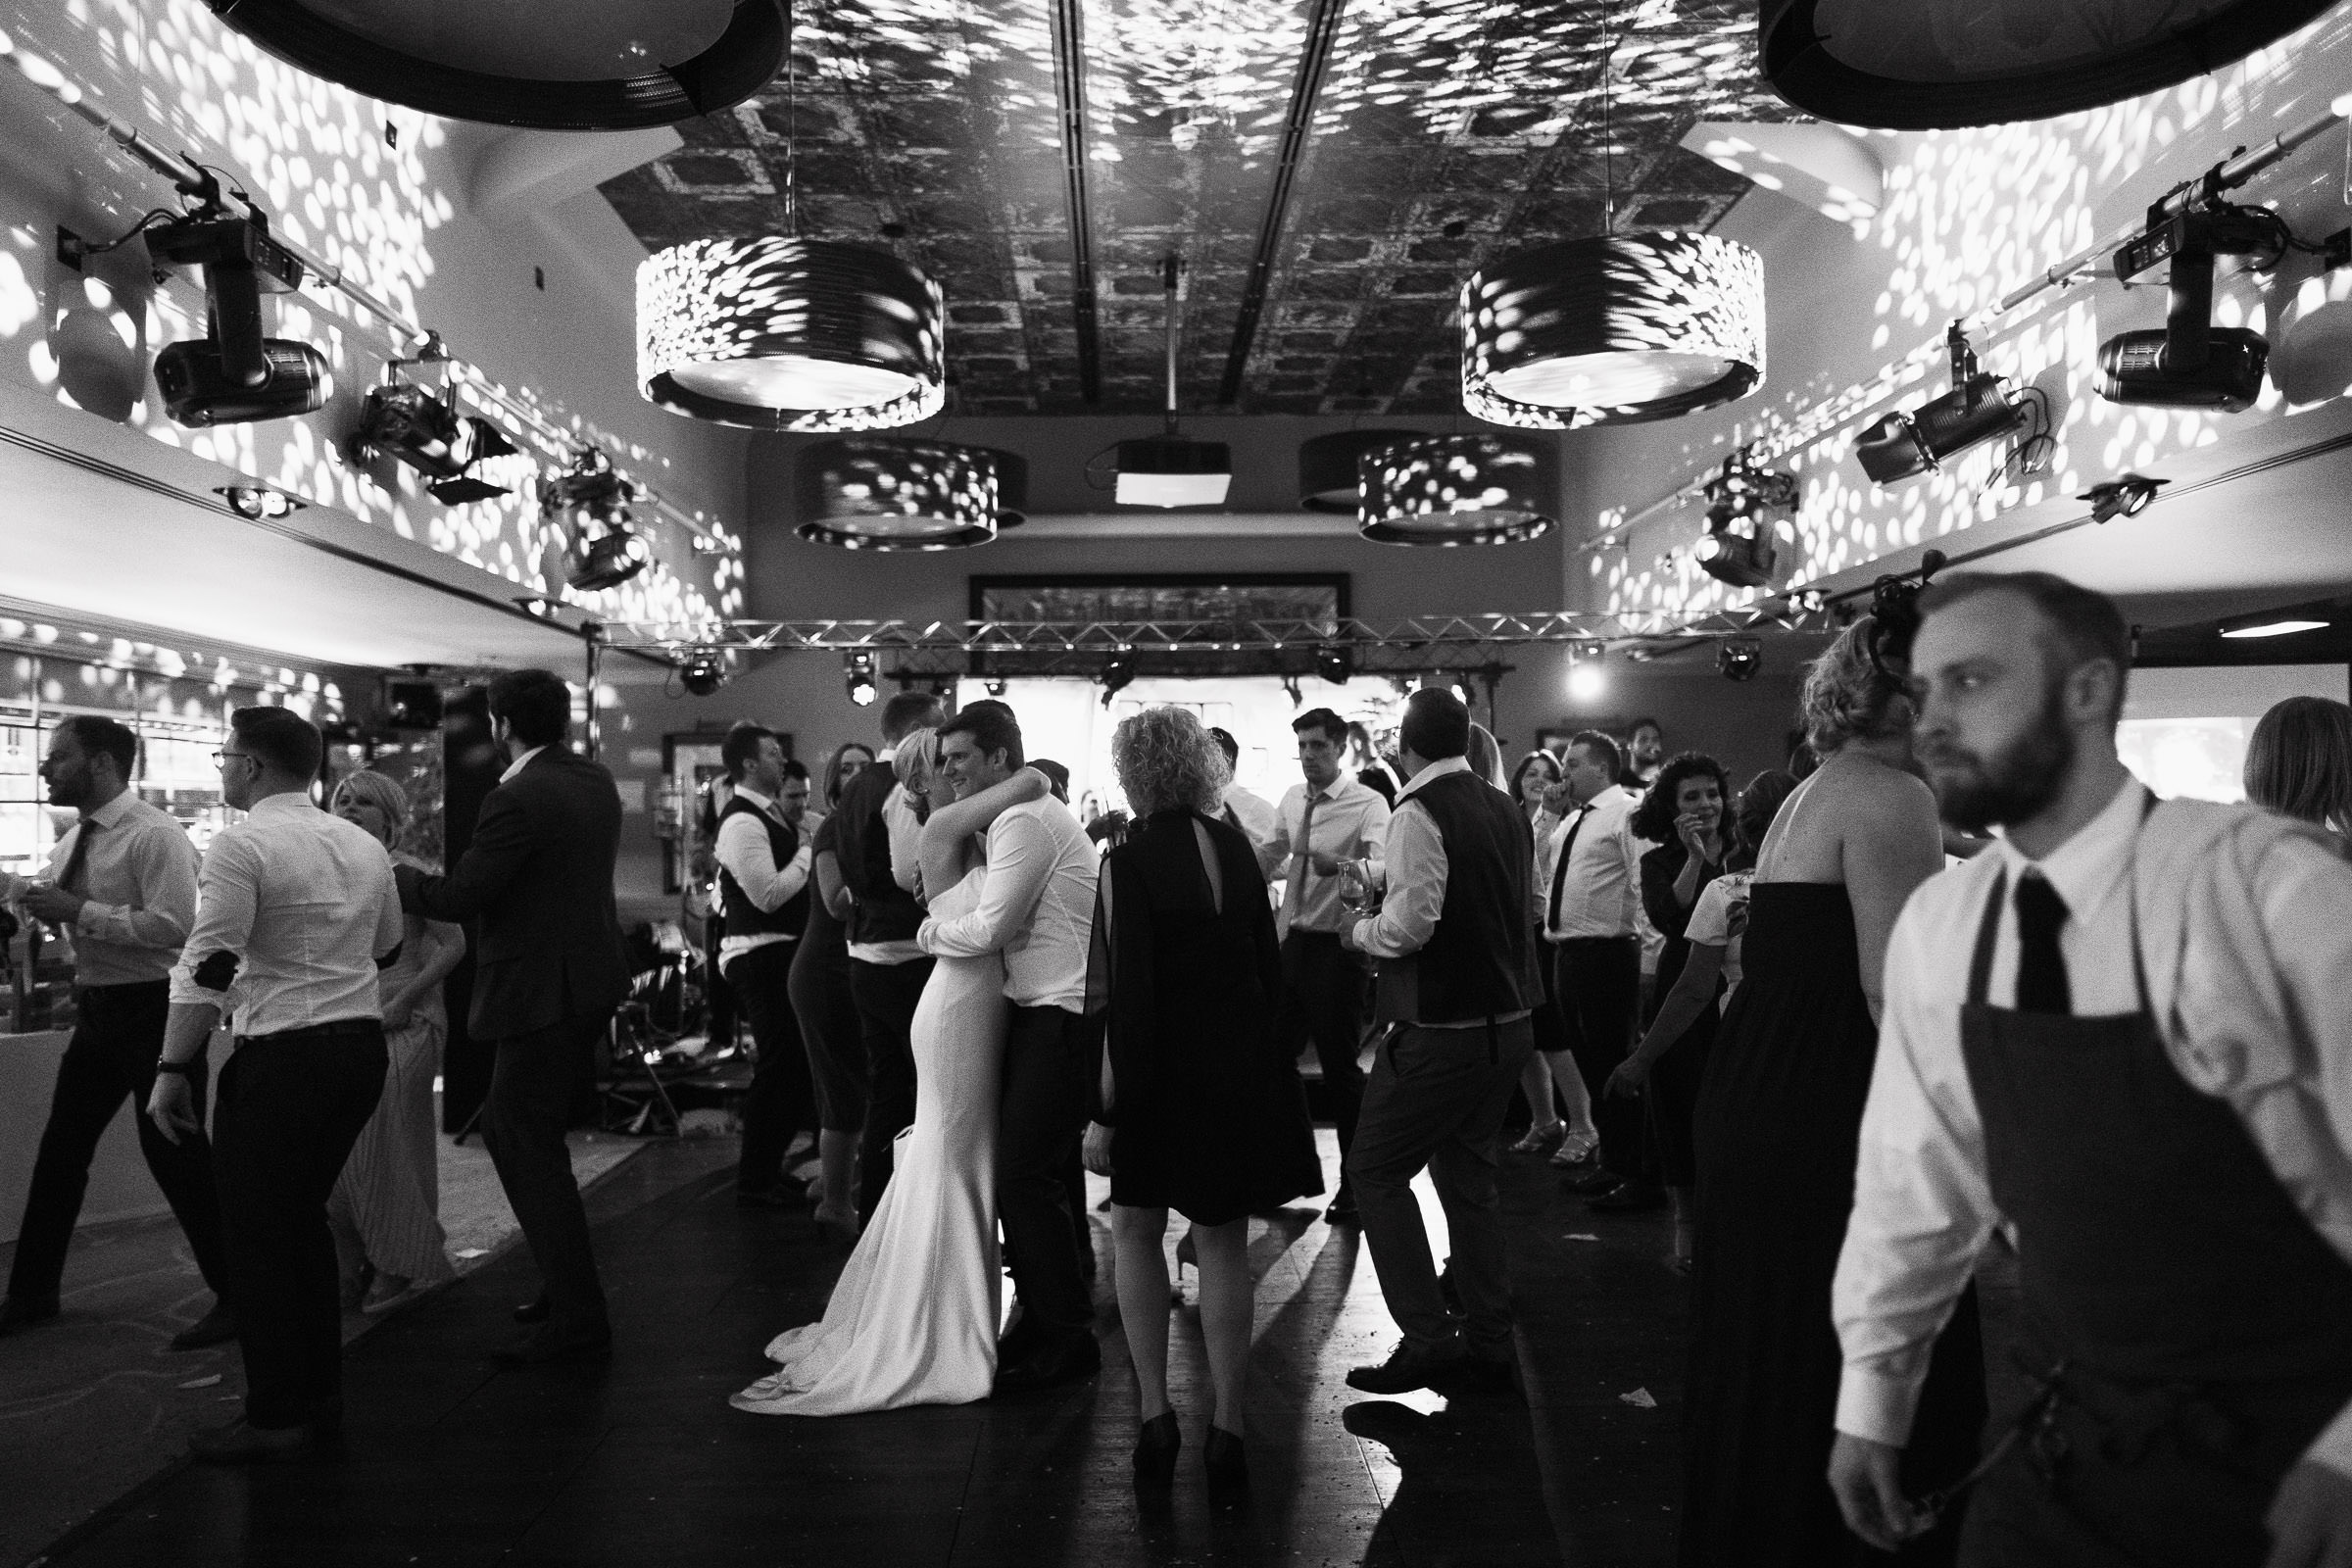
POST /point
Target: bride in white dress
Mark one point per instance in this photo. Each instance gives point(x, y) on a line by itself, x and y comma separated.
point(913, 1319)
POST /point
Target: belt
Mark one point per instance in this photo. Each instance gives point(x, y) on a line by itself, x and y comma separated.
point(337, 1029)
point(1591, 942)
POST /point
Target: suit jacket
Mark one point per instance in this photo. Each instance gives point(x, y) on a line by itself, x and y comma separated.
point(538, 879)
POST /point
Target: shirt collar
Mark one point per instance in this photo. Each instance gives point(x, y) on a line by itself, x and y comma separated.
point(744, 792)
point(1608, 797)
point(1339, 788)
point(2088, 866)
point(116, 810)
point(1437, 769)
point(519, 764)
point(282, 801)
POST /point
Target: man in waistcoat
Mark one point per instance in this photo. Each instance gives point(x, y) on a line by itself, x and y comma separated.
point(764, 866)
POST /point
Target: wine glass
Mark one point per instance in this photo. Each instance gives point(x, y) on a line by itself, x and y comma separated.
point(1358, 894)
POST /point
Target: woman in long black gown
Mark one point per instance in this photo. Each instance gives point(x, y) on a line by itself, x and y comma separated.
point(1198, 1107)
point(1778, 1122)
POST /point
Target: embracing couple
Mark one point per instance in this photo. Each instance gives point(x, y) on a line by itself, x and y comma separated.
point(1001, 1100)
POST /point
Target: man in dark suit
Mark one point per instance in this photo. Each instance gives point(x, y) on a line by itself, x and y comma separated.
point(548, 973)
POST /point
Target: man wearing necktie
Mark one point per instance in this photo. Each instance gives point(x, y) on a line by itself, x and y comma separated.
point(123, 882)
point(1325, 819)
point(2123, 1034)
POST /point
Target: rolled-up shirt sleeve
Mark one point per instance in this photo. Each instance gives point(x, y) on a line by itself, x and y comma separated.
point(906, 832)
point(745, 850)
point(1922, 1205)
point(163, 862)
point(228, 894)
point(1414, 863)
point(1020, 862)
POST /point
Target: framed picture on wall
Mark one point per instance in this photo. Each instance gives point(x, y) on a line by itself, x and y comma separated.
point(1212, 608)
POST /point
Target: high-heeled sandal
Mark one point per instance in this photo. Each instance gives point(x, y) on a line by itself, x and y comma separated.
point(1156, 1443)
point(1539, 1139)
point(1575, 1149)
point(1223, 1458)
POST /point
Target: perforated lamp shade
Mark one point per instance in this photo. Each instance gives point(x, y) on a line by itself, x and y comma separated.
point(1925, 64)
point(554, 65)
point(893, 493)
point(790, 334)
point(1456, 490)
point(1612, 330)
point(1327, 466)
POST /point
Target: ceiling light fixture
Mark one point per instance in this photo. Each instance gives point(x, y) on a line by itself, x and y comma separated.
point(893, 493)
point(1862, 63)
point(1588, 674)
point(590, 503)
point(617, 64)
point(995, 685)
point(259, 501)
point(1328, 477)
point(2190, 363)
point(1335, 662)
point(857, 676)
point(2126, 496)
point(1738, 657)
point(702, 671)
point(1456, 490)
point(2285, 626)
point(235, 375)
point(1741, 546)
point(1902, 445)
point(1171, 470)
point(1118, 670)
point(409, 424)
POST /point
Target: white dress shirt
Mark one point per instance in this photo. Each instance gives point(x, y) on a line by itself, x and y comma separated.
point(1602, 896)
point(1037, 907)
point(1414, 871)
point(2246, 940)
point(1710, 923)
point(751, 859)
point(904, 831)
point(1253, 814)
point(139, 877)
point(519, 765)
point(294, 907)
point(1352, 821)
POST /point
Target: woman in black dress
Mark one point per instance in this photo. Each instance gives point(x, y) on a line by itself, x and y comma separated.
point(1198, 1107)
point(1778, 1118)
point(819, 988)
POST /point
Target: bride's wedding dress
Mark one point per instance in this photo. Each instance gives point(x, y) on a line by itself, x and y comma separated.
point(913, 1317)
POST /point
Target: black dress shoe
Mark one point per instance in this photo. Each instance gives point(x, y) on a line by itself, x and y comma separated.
point(23, 1312)
point(1223, 1458)
point(1627, 1197)
point(1342, 1210)
point(1156, 1447)
point(1592, 1183)
point(543, 1348)
point(533, 1310)
point(216, 1327)
point(1053, 1362)
point(1408, 1369)
point(242, 1443)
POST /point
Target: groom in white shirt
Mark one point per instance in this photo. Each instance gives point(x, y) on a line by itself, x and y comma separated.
point(1038, 910)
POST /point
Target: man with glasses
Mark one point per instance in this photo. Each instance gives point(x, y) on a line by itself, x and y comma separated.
point(123, 881)
point(298, 913)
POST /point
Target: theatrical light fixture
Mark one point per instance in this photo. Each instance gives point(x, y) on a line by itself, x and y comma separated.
point(235, 375)
point(1117, 672)
point(1930, 67)
point(1738, 657)
point(1335, 662)
point(591, 502)
point(1456, 490)
point(2272, 624)
point(617, 64)
point(2190, 363)
point(1902, 446)
point(2126, 496)
point(703, 671)
point(258, 501)
point(897, 492)
point(1587, 675)
point(1612, 330)
point(1741, 543)
point(409, 424)
point(1169, 469)
point(1328, 479)
point(777, 333)
point(858, 675)
point(995, 685)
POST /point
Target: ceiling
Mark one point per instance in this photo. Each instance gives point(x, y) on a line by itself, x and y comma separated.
point(1443, 132)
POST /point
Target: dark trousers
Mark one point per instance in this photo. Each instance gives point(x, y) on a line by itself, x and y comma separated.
point(886, 995)
point(1600, 989)
point(1435, 1098)
point(112, 1058)
point(782, 1099)
point(533, 1088)
point(291, 1106)
point(1041, 1118)
point(1324, 987)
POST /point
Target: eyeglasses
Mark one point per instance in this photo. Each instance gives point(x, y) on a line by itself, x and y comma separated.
point(222, 756)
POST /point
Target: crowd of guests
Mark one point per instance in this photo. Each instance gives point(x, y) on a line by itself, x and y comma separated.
point(1846, 1035)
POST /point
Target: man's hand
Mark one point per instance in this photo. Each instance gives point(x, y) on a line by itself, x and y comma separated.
point(1097, 1150)
point(173, 1107)
point(2311, 1519)
point(1348, 938)
point(1866, 1477)
point(1630, 1079)
point(55, 905)
point(397, 1013)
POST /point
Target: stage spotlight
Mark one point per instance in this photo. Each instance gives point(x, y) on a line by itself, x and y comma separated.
point(592, 503)
point(1903, 446)
point(406, 423)
point(1335, 663)
point(1587, 680)
point(2126, 496)
point(1739, 658)
point(259, 501)
point(2190, 363)
point(703, 671)
point(1117, 671)
point(995, 685)
point(858, 675)
point(233, 374)
point(1741, 547)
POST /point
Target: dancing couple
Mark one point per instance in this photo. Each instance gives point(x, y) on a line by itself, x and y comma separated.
point(1001, 1099)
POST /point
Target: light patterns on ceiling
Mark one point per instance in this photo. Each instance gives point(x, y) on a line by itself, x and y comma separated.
point(1449, 131)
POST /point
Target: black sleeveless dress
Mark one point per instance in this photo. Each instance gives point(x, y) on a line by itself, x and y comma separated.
point(1210, 1118)
point(1778, 1124)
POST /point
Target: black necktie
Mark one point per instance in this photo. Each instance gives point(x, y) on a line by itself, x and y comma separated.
point(71, 879)
point(2040, 967)
point(1559, 872)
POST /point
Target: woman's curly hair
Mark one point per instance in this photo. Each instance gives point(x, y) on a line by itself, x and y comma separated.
point(1167, 762)
point(1848, 696)
point(1653, 818)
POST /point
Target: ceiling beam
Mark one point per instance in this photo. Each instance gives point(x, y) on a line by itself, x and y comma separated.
point(1069, 92)
point(1314, 63)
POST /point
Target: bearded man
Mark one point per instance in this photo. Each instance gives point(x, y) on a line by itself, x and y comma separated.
point(2125, 1036)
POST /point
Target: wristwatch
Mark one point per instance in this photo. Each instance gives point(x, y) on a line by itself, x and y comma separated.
point(182, 1068)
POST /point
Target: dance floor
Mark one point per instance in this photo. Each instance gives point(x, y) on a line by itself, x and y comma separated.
point(450, 1462)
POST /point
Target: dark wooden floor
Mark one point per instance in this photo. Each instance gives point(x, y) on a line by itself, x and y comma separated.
point(449, 1462)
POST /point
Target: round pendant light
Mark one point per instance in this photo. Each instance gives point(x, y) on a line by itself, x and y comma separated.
point(893, 493)
point(1612, 330)
point(1327, 466)
point(1927, 65)
point(556, 64)
point(790, 334)
point(1455, 490)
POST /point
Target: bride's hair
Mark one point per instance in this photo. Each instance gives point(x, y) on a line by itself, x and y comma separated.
point(1165, 759)
point(917, 761)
